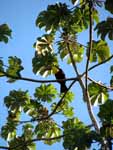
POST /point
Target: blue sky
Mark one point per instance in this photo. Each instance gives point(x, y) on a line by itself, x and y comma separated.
point(20, 16)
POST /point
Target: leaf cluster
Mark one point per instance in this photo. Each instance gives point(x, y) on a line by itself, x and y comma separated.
point(77, 135)
point(5, 33)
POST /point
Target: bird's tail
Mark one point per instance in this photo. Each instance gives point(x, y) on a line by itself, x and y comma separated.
point(63, 87)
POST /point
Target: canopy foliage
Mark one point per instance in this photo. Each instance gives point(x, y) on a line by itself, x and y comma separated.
point(62, 24)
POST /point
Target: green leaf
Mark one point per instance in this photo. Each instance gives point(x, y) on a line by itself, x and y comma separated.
point(17, 100)
point(5, 33)
point(109, 6)
point(28, 131)
point(111, 81)
point(80, 17)
point(69, 112)
point(48, 129)
point(32, 146)
point(111, 69)
point(105, 115)
point(44, 44)
point(100, 51)
point(73, 1)
point(77, 135)
point(98, 94)
point(14, 68)
point(105, 28)
point(8, 131)
point(46, 93)
point(76, 50)
point(19, 142)
point(69, 97)
point(44, 64)
point(64, 107)
point(35, 110)
point(53, 17)
point(1, 68)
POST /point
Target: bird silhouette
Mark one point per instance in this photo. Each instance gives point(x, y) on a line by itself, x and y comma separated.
point(61, 75)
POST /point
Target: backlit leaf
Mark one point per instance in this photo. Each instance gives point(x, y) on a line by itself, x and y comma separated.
point(100, 51)
point(14, 68)
point(45, 93)
point(48, 129)
point(98, 94)
point(44, 64)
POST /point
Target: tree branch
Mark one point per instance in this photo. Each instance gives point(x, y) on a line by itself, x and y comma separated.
point(47, 81)
point(100, 63)
point(4, 147)
point(35, 80)
point(87, 97)
point(72, 60)
point(60, 101)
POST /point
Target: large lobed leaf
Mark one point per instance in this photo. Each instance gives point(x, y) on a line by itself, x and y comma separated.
point(77, 135)
point(53, 17)
point(44, 44)
point(45, 93)
point(14, 68)
point(105, 28)
point(1, 68)
point(44, 64)
point(106, 116)
point(100, 51)
point(111, 80)
point(98, 94)
point(48, 129)
point(76, 50)
point(65, 107)
point(16, 100)
point(5, 33)
point(109, 6)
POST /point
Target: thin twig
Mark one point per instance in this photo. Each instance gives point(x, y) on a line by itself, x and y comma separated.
point(100, 63)
point(60, 101)
point(100, 84)
point(34, 140)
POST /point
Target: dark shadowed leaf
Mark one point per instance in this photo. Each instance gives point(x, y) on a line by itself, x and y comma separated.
point(14, 68)
point(77, 135)
point(105, 28)
point(48, 129)
point(104, 114)
point(1, 68)
point(53, 17)
point(5, 33)
point(109, 6)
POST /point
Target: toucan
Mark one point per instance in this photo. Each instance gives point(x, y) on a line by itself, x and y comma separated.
point(61, 75)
